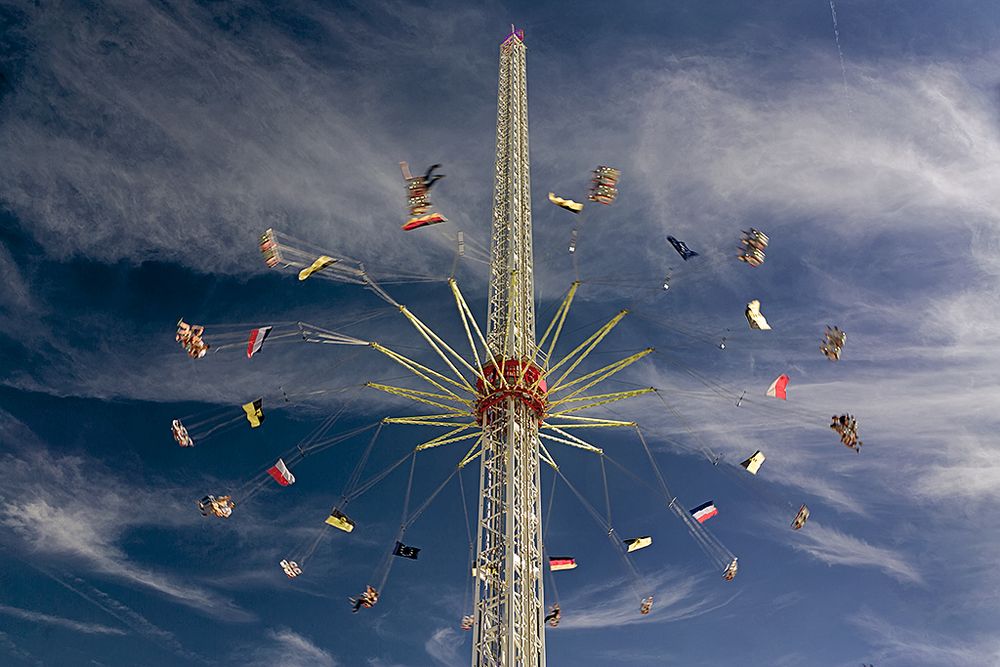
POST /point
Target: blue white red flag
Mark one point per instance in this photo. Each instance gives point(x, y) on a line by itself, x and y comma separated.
point(705, 511)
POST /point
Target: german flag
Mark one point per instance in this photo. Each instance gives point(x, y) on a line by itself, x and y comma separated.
point(557, 563)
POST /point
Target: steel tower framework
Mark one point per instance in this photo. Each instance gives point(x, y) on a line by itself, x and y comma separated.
point(518, 392)
point(509, 597)
point(510, 394)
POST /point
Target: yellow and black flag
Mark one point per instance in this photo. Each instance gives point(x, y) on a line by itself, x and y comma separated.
point(404, 551)
point(636, 543)
point(338, 519)
point(754, 463)
point(568, 204)
point(255, 412)
point(318, 264)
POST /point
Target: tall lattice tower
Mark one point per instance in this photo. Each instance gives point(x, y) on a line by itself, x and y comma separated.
point(509, 626)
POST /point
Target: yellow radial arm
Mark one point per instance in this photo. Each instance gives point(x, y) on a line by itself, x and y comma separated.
point(557, 321)
point(601, 374)
point(572, 441)
point(444, 440)
point(420, 422)
point(447, 415)
point(583, 349)
point(466, 314)
point(421, 371)
point(546, 456)
point(439, 346)
point(416, 395)
point(577, 421)
point(473, 453)
point(598, 399)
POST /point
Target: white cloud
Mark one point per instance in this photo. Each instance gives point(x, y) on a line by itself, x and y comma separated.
point(123, 613)
point(794, 152)
point(445, 647)
point(264, 134)
point(48, 619)
point(616, 603)
point(904, 646)
point(834, 547)
point(379, 662)
point(70, 506)
point(287, 648)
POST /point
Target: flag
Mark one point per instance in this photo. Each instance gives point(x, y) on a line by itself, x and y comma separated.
point(681, 248)
point(281, 474)
point(754, 463)
point(568, 204)
point(319, 264)
point(255, 415)
point(557, 563)
point(755, 318)
point(636, 543)
point(801, 517)
point(705, 511)
point(423, 221)
point(338, 519)
point(777, 388)
point(404, 551)
point(257, 337)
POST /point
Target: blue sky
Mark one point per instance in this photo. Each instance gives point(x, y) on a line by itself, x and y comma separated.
point(147, 145)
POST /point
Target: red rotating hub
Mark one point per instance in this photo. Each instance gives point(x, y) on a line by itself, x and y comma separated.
point(524, 383)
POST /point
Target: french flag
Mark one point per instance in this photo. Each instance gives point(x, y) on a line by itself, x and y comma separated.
point(705, 511)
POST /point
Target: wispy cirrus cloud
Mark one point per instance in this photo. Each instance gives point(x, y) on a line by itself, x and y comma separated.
point(286, 648)
point(63, 505)
point(59, 621)
point(614, 603)
point(314, 161)
point(445, 647)
point(122, 612)
point(902, 646)
point(835, 547)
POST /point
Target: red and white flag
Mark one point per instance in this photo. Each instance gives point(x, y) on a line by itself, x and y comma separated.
point(257, 337)
point(281, 474)
point(777, 388)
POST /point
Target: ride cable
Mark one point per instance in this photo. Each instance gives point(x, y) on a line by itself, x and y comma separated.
point(713, 548)
point(616, 543)
point(408, 519)
point(545, 533)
